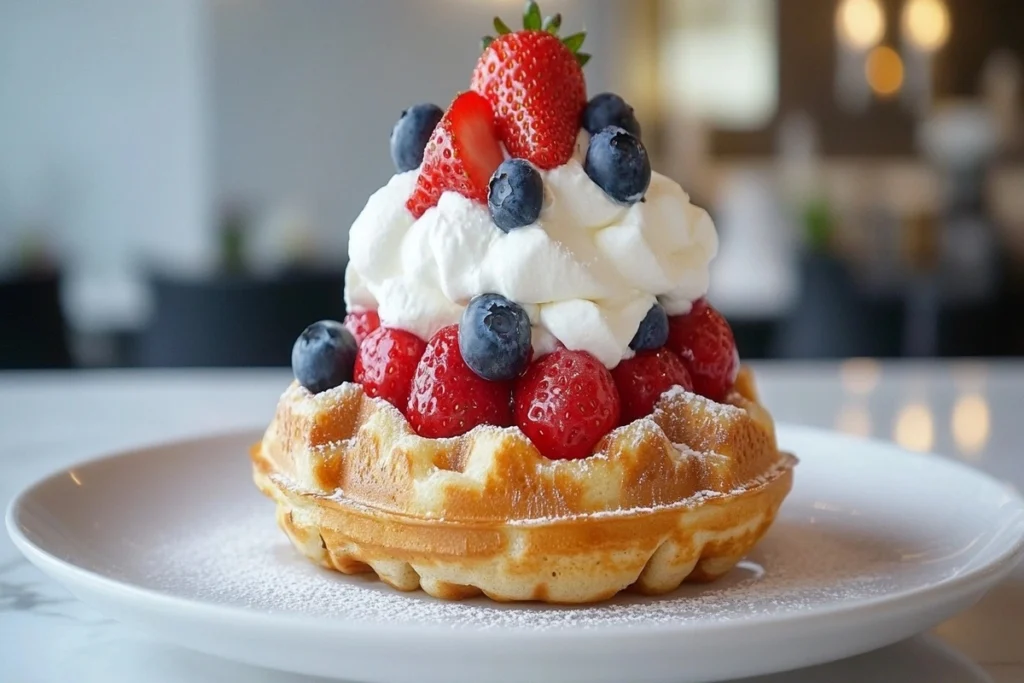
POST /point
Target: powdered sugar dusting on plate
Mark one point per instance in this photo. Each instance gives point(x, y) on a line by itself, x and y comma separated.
point(247, 562)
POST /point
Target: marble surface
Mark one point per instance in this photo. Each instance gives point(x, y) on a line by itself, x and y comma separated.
point(969, 411)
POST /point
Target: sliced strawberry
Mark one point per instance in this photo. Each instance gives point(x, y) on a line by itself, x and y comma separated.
point(386, 363)
point(361, 324)
point(461, 156)
point(704, 341)
point(449, 399)
point(565, 403)
point(534, 80)
point(642, 379)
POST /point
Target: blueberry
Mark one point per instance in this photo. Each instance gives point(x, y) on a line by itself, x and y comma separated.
point(324, 356)
point(515, 194)
point(608, 109)
point(411, 134)
point(653, 330)
point(494, 337)
point(617, 161)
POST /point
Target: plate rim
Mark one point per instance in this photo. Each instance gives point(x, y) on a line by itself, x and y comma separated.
point(975, 580)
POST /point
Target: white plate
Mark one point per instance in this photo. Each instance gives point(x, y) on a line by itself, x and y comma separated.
point(873, 545)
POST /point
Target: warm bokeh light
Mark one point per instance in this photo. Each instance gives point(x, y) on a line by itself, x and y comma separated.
point(971, 424)
point(926, 24)
point(884, 71)
point(859, 376)
point(914, 428)
point(854, 420)
point(860, 23)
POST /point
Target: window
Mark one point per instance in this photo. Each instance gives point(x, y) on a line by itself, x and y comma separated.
point(719, 61)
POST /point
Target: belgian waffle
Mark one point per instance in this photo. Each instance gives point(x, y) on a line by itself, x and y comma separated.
point(680, 495)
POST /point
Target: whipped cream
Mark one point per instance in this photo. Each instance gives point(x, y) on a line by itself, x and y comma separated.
point(586, 272)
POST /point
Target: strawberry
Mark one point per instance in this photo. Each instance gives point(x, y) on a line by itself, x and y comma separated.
point(461, 155)
point(565, 403)
point(449, 399)
point(703, 339)
point(642, 379)
point(386, 363)
point(534, 81)
point(361, 324)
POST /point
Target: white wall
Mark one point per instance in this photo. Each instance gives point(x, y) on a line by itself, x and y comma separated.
point(103, 137)
point(306, 93)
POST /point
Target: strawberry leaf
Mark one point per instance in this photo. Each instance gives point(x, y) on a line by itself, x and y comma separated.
point(531, 17)
point(582, 58)
point(575, 41)
point(486, 41)
point(552, 24)
point(501, 27)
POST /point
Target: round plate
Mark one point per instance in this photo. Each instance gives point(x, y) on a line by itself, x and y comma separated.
point(873, 545)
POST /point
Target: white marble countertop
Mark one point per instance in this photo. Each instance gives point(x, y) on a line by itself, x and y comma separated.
point(963, 410)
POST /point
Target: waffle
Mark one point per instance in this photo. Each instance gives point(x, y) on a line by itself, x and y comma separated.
point(680, 495)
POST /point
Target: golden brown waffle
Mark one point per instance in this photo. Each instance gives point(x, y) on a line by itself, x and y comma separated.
point(682, 494)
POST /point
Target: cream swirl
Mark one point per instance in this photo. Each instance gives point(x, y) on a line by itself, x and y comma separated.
point(586, 272)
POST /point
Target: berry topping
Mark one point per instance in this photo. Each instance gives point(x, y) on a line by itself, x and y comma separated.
point(534, 80)
point(516, 193)
point(642, 380)
point(494, 337)
point(608, 109)
point(386, 364)
point(323, 356)
point(703, 339)
point(449, 399)
point(617, 161)
point(565, 403)
point(411, 134)
point(461, 155)
point(653, 330)
point(361, 324)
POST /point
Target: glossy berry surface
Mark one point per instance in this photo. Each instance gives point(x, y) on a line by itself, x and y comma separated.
point(494, 337)
point(704, 341)
point(535, 83)
point(447, 398)
point(411, 134)
point(608, 109)
point(324, 356)
point(566, 403)
point(642, 379)
point(386, 363)
point(617, 162)
point(361, 324)
point(653, 330)
point(461, 155)
point(515, 194)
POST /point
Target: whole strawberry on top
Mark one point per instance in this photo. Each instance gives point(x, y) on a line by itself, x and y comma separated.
point(534, 81)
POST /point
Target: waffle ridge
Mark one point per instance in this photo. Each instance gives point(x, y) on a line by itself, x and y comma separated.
point(682, 494)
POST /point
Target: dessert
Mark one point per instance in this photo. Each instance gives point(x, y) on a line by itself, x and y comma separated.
point(530, 397)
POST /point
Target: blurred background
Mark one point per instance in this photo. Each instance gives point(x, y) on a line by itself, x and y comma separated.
point(177, 177)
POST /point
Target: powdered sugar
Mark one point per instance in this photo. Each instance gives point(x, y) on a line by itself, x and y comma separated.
point(343, 391)
point(332, 446)
point(245, 561)
point(711, 407)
